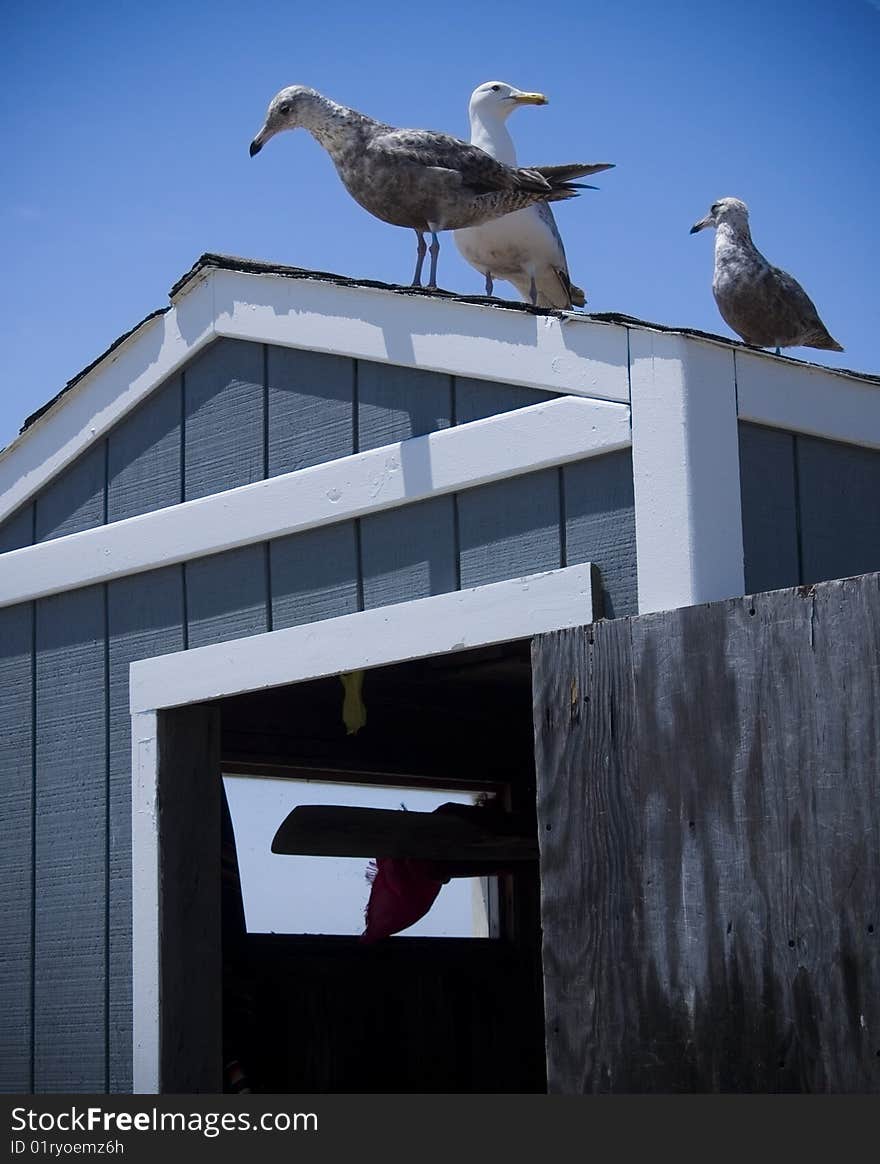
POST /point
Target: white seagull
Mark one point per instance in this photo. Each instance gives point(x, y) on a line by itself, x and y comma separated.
point(524, 247)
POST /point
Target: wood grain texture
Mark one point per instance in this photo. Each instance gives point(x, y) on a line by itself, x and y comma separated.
point(750, 873)
point(510, 528)
point(311, 408)
point(409, 552)
point(74, 500)
point(839, 494)
point(314, 575)
point(190, 937)
point(223, 428)
point(769, 505)
point(226, 596)
point(145, 618)
point(18, 530)
point(70, 845)
point(396, 403)
point(16, 851)
point(600, 526)
point(143, 458)
point(476, 399)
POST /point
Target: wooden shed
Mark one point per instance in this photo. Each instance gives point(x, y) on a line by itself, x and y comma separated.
point(286, 476)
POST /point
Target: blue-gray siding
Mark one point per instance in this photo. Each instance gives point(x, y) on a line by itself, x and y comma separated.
point(237, 412)
point(810, 508)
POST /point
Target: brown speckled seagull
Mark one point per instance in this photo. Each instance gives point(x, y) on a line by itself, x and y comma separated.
point(414, 177)
point(764, 305)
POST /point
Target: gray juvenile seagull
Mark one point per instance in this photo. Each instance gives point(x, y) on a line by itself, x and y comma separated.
point(764, 305)
point(414, 177)
point(525, 247)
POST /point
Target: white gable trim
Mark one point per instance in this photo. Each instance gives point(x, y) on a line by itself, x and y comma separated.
point(500, 612)
point(537, 437)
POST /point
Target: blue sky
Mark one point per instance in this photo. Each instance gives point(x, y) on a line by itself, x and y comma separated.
point(126, 129)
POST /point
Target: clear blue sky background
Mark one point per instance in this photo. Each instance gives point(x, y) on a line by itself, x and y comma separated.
point(126, 128)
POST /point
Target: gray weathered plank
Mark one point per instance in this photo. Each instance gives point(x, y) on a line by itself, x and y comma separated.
point(600, 527)
point(588, 831)
point(143, 456)
point(145, 619)
point(74, 500)
point(314, 575)
point(476, 399)
point(510, 528)
point(190, 936)
point(396, 403)
point(70, 844)
point(409, 552)
point(16, 853)
point(311, 408)
point(769, 507)
point(226, 596)
point(839, 491)
point(18, 530)
point(223, 428)
point(749, 874)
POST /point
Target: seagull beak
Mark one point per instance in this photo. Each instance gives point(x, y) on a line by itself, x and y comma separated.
point(529, 98)
point(703, 223)
point(259, 141)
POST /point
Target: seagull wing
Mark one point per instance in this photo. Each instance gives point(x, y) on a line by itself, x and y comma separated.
point(479, 172)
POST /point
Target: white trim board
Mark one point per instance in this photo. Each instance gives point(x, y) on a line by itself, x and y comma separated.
point(807, 400)
point(554, 432)
point(457, 621)
point(500, 612)
point(552, 353)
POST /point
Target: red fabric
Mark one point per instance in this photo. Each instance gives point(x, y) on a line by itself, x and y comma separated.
point(402, 891)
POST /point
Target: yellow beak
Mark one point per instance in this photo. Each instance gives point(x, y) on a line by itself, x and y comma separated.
point(529, 98)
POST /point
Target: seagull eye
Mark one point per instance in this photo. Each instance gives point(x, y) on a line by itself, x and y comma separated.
point(714, 208)
point(284, 110)
point(496, 88)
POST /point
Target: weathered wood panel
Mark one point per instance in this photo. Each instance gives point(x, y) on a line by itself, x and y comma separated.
point(227, 596)
point(70, 846)
point(311, 408)
point(409, 552)
point(18, 531)
point(190, 938)
point(839, 492)
point(143, 459)
point(726, 801)
point(145, 618)
point(769, 507)
point(510, 528)
point(477, 399)
point(600, 526)
point(395, 403)
point(223, 427)
point(75, 499)
point(314, 575)
point(16, 847)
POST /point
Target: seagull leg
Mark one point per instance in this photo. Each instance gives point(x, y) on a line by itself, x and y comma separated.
point(533, 292)
point(778, 352)
point(490, 286)
point(435, 251)
point(420, 258)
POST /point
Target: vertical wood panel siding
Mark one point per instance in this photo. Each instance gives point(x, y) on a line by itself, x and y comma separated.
point(75, 499)
point(18, 530)
point(600, 526)
point(839, 509)
point(510, 528)
point(144, 619)
point(409, 553)
point(227, 596)
point(311, 408)
point(395, 404)
point(223, 428)
point(769, 503)
point(477, 399)
point(314, 575)
point(143, 459)
point(70, 844)
point(16, 847)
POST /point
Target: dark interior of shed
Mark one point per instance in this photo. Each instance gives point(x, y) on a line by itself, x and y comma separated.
point(330, 1014)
